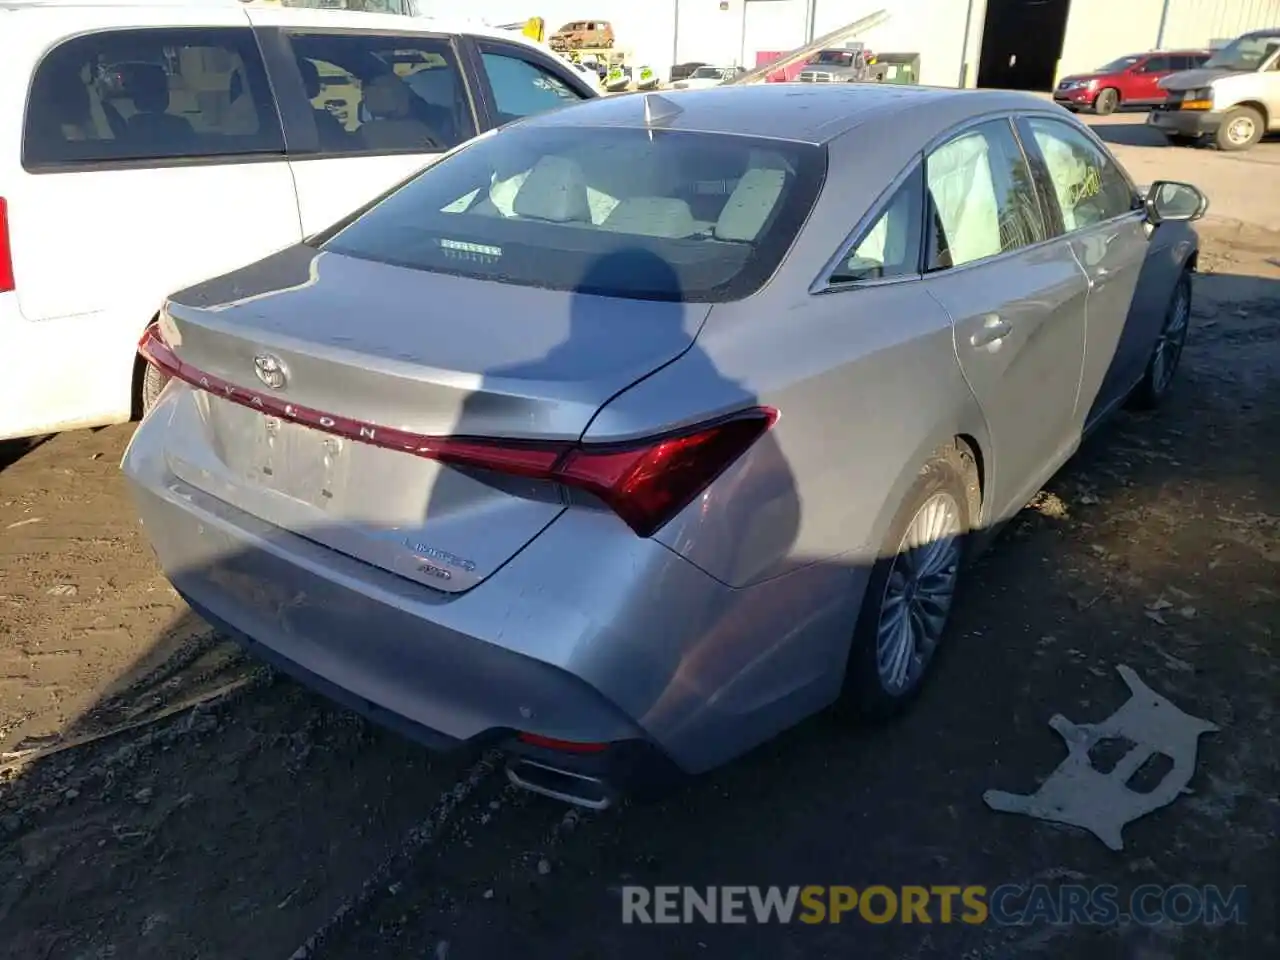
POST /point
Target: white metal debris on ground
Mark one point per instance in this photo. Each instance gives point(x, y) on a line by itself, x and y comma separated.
point(1077, 793)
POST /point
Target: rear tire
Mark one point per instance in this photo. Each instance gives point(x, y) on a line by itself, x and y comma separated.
point(149, 390)
point(909, 595)
point(1107, 101)
point(1167, 352)
point(1240, 129)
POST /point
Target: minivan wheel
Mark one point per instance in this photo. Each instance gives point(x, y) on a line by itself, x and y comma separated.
point(1240, 129)
point(1167, 352)
point(1107, 101)
point(909, 595)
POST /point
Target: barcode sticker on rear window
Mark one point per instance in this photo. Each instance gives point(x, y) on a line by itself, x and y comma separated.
point(461, 246)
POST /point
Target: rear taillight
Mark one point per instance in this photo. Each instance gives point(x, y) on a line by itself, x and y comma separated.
point(565, 746)
point(645, 482)
point(6, 251)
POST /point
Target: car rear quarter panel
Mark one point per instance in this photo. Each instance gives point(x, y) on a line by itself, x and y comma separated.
point(866, 381)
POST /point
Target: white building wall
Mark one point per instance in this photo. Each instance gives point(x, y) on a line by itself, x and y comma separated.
point(932, 28)
point(1101, 30)
point(1098, 30)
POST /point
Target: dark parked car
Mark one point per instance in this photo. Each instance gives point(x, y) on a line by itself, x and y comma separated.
point(683, 71)
point(1132, 80)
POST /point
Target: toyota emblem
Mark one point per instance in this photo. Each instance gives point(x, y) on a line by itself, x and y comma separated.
point(270, 370)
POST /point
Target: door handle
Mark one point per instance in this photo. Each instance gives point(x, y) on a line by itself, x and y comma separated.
point(993, 331)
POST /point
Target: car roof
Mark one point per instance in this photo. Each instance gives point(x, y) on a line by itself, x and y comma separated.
point(346, 19)
point(803, 112)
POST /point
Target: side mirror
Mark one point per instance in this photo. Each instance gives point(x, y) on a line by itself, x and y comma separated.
point(1171, 200)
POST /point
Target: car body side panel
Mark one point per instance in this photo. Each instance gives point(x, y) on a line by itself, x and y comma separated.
point(851, 414)
point(1026, 382)
point(1112, 255)
point(1169, 249)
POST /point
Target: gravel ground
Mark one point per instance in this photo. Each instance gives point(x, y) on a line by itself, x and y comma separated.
point(267, 823)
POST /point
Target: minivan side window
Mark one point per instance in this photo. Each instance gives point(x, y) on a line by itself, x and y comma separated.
point(384, 93)
point(982, 198)
point(1089, 187)
point(1157, 65)
point(522, 88)
point(153, 94)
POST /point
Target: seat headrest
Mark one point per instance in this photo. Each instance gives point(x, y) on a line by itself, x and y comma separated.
point(556, 190)
point(749, 206)
point(147, 85)
point(652, 217)
point(386, 97)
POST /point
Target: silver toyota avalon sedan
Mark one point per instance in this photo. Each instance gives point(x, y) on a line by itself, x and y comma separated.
point(632, 434)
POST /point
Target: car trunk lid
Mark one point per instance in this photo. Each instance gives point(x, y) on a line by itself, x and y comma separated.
point(321, 371)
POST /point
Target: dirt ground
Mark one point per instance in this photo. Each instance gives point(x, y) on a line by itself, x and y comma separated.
point(267, 823)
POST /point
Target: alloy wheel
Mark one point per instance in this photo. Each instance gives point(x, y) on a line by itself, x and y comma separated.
point(1164, 363)
point(918, 594)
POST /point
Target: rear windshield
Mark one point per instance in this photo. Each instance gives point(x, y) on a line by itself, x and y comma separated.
point(708, 217)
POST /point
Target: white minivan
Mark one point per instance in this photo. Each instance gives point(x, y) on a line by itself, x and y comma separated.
point(146, 145)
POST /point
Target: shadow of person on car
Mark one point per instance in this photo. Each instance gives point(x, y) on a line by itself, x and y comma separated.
point(660, 638)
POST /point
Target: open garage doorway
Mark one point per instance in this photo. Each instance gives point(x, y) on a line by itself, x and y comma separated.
point(1022, 43)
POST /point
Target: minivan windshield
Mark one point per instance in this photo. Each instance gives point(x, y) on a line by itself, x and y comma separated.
point(1118, 65)
point(708, 73)
point(540, 206)
point(1246, 53)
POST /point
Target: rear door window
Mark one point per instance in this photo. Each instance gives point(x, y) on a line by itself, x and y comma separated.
point(129, 95)
point(384, 93)
point(982, 198)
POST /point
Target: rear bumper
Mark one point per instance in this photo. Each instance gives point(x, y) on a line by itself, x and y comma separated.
point(587, 635)
point(1186, 123)
point(380, 644)
point(632, 766)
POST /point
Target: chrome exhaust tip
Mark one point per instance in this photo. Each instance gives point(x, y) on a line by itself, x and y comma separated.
point(577, 789)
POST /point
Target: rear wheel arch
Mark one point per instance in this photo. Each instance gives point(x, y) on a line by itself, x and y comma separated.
point(951, 442)
point(970, 451)
point(950, 468)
